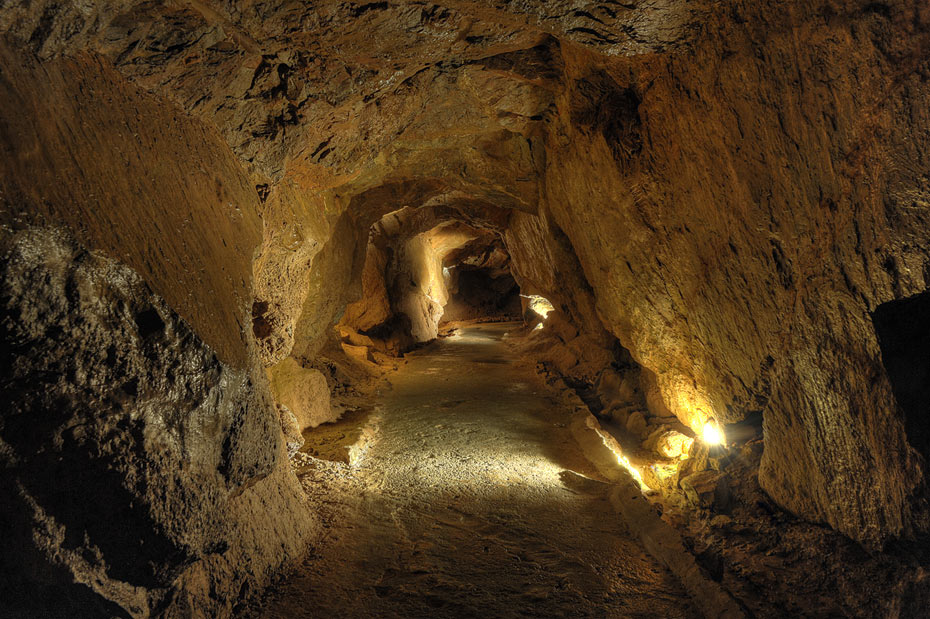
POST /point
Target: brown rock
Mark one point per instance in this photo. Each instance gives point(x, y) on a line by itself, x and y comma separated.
point(619, 414)
point(668, 443)
point(636, 424)
point(657, 173)
point(293, 439)
point(304, 392)
point(706, 489)
point(127, 406)
point(374, 306)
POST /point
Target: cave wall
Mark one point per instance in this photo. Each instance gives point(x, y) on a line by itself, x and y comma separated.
point(80, 143)
point(419, 291)
point(373, 307)
point(737, 208)
point(142, 457)
point(754, 201)
point(404, 283)
point(295, 231)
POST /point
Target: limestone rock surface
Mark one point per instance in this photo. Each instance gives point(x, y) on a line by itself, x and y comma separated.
point(303, 391)
point(135, 463)
point(142, 458)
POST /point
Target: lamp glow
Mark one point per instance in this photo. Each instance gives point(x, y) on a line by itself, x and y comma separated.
point(712, 434)
point(539, 304)
point(611, 444)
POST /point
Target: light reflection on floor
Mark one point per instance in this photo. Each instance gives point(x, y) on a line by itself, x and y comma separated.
point(472, 500)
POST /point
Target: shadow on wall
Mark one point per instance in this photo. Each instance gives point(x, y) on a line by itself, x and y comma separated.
point(903, 329)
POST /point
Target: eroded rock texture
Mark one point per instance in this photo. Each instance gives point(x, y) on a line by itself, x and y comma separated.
point(733, 191)
point(136, 464)
point(142, 457)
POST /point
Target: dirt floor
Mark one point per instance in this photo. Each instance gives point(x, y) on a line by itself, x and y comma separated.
point(464, 495)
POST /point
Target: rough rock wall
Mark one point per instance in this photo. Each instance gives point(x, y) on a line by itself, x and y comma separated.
point(418, 287)
point(404, 281)
point(755, 200)
point(142, 458)
point(739, 206)
point(79, 148)
point(374, 305)
point(333, 282)
point(303, 391)
point(309, 125)
point(139, 471)
point(295, 230)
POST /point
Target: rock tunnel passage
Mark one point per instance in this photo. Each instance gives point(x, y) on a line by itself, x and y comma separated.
point(223, 223)
point(472, 500)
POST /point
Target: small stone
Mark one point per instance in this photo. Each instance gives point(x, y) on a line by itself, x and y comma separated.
point(721, 521)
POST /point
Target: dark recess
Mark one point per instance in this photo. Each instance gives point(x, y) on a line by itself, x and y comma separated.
point(903, 330)
point(149, 323)
point(599, 103)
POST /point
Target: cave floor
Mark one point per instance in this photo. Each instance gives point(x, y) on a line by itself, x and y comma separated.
point(470, 498)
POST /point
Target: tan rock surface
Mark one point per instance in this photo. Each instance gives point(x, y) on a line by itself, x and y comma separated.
point(140, 472)
point(303, 391)
point(93, 153)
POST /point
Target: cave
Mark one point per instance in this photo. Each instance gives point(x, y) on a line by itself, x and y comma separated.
point(458, 309)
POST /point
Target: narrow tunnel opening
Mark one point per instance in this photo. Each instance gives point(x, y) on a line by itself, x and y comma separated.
point(421, 278)
point(430, 274)
point(479, 292)
point(480, 283)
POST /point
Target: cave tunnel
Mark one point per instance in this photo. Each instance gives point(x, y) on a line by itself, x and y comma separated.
point(464, 309)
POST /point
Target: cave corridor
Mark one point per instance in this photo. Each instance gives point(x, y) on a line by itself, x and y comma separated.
point(464, 308)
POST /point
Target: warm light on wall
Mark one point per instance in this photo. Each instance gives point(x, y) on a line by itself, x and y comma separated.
point(712, 434)
point(674, 445)
point(622, 460)
point(539, 304)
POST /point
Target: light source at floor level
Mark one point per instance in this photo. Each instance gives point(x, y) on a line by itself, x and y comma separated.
point(712, 434)
point(611, 444)
point(539, 304)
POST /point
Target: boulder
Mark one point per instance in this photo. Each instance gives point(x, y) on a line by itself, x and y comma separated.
point(636, 423)
point(706, 489)
point(303, 391)
point(668, 443)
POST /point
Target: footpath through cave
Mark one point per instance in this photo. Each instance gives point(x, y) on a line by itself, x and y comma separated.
point(466, 496)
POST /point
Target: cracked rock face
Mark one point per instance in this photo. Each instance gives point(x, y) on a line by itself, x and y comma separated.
point(733, 192)
point(131, 454)
point(143, 462)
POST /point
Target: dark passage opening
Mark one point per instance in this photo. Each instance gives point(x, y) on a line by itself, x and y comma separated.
point(482, 293)
point(479, 282)
point(903, 329)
